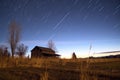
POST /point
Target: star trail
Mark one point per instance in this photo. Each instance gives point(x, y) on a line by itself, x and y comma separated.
point(72, 24)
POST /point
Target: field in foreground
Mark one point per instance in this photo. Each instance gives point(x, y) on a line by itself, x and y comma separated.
point(60, 69)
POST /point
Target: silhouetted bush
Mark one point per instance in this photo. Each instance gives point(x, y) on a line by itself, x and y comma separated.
point(4, 52)
point(74, 56)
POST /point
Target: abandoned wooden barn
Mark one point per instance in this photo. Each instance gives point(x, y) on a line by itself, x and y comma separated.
point(38, 52)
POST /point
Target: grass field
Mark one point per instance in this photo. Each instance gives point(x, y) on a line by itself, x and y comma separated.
point(59, 69)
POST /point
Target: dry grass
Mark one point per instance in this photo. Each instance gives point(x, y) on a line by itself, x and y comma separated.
point(59, 69)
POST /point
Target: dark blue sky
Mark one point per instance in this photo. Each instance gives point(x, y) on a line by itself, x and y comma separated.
point(72, 24)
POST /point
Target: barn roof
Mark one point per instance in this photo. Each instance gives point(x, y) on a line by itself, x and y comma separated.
point(42, 48)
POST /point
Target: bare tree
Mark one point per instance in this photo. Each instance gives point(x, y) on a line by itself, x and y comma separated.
point(21, 50)
point(51, 45)
point(14, 36)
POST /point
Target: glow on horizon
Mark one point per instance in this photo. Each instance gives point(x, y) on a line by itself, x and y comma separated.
point(81, 48)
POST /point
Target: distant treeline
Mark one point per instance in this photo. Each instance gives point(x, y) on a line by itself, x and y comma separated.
point(110, 56)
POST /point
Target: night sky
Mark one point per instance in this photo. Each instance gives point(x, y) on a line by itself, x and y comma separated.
point(73, 25)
